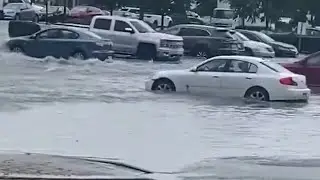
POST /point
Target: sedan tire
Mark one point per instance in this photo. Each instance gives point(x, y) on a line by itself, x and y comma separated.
point(79, 55)
point(17, 49)
point(163, 85)
point(257, 93)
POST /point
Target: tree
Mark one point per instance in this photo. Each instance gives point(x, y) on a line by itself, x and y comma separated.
point(205, 7)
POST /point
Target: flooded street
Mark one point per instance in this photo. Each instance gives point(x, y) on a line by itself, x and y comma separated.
point(101, 109)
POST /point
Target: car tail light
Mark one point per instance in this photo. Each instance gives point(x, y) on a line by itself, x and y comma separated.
point(288, 81)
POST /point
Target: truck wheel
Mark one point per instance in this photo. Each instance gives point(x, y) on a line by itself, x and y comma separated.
point(146, 52)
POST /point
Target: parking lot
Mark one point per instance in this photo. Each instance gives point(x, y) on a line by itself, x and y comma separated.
point(101, 109)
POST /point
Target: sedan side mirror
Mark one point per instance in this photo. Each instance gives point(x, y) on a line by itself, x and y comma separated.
point(129, 30)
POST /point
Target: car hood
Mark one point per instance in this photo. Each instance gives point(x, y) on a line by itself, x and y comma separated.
point(281, 44)
point(255, 44)
point(160, 35)
point(21, 164)
point(9, 10)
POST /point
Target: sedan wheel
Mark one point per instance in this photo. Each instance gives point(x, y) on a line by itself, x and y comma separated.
point(163, 85)
point(17, 49)
point(79, 55)
point(258, 94)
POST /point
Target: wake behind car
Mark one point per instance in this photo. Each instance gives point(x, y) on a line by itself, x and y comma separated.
point(62, 42)
point(32, 166)
point(234, 76)
point(281, 49)
point(206, 41)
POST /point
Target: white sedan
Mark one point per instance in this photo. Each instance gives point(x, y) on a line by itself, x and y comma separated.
point(234, 76)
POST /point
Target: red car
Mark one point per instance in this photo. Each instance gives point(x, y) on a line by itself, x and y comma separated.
point(308, 66)
point(85, 11)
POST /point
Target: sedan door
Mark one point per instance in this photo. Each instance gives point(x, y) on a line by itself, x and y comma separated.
point(44, 44)
point(207, 77)
point(238, 78)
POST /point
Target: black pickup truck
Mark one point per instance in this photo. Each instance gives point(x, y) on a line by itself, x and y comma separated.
point(207, 41)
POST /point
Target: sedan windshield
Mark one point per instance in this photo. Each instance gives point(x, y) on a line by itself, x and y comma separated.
point(142, 27)
point(265, 37)
point(240, 36)
point(275, 67)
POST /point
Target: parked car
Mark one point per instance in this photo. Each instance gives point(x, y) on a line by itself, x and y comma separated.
point(255, 48)
point(53, 11)
point(85, 11)
point(20, 11)
point(192, 14)
point(62, 42)
point(309, 67)
point(281, 49)
point(137, 38)
point(234, 76)
point(149, 17)
point(206, 41)
point(83, 14)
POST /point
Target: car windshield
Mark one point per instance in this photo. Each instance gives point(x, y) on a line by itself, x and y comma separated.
point(275, 67)
point(265, 37)
point(240, 36)
point(142, 27)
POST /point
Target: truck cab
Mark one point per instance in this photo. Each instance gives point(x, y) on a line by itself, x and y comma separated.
point(137, 38)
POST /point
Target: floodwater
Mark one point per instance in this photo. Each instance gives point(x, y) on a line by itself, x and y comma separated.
point(95, 108)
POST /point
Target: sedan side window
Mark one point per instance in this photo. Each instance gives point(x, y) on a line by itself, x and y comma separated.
point(218, 65)
point(238, 66)
point(251, 37)
point(120, 26)
point(50, 34)
point(69, 35)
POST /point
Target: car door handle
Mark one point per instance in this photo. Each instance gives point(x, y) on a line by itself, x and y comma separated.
point(215, 76)
point(248, 78)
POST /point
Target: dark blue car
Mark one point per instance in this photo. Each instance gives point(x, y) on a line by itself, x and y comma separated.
point(62, 42)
